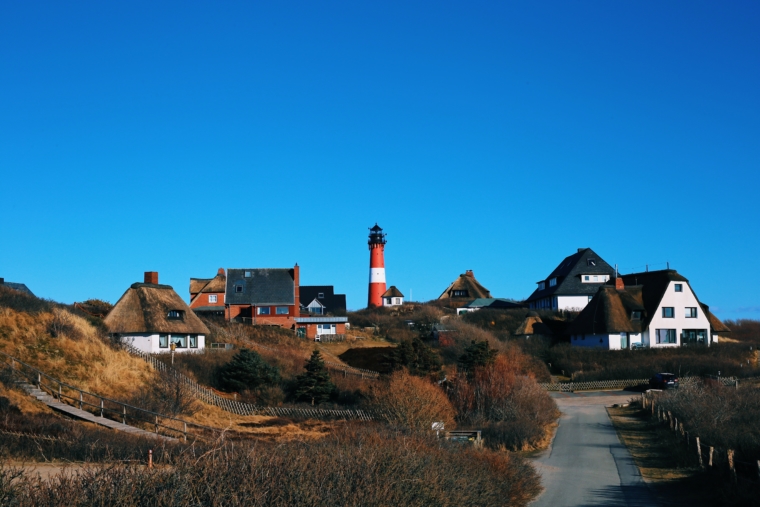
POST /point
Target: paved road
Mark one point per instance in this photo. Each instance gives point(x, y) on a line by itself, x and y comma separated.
point(586, 464)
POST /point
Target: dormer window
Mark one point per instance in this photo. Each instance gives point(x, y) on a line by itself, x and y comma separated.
point(635, 315)
point(553, 282)
point(460, 293)
point(541, 285)
point(175, 314)
point(238, 288)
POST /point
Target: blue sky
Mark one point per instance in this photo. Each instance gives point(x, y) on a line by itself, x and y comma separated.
point(186, 136)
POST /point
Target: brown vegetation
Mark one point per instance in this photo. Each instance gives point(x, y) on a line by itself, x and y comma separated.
point(411, 402)
point(354, 467)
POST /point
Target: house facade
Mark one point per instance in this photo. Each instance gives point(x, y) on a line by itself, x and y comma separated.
point(152, 318)
point(314, 328)
point(656, 309)
point(263, 296)
point(207, 295)
point(392, 297)
point(573, 283)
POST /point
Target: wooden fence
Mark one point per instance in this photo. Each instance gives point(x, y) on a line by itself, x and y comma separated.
point(600, 385)
point(211, 397)
point(125, 413)
point(710, 457)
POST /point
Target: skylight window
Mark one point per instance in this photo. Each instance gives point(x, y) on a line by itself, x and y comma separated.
point(591, 262)
point(247, 274)
point(238, 288)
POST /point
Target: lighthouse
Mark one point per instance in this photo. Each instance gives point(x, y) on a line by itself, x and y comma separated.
point(376, 266)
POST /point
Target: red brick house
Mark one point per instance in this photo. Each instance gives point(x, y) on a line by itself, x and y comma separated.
point(207, 294)
point(263, 296)
point(316, 327)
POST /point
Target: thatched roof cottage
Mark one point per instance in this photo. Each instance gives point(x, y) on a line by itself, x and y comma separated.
point(151, 317)
point(463, 290)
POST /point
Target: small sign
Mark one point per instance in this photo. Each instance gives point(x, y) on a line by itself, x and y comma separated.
point(437, 426)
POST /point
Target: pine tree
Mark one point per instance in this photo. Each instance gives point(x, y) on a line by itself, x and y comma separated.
point(314, 385)
point(475, 355)
point(246, 371)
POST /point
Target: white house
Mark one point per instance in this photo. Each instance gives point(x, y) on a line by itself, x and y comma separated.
point(656, 309)
point(573, 283)
point(151, 317)
point(393, 297)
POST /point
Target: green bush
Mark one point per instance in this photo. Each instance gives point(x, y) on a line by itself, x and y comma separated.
point(314, 385)
point(247, 371)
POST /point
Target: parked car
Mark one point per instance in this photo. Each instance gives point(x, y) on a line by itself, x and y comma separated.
point(664, 381)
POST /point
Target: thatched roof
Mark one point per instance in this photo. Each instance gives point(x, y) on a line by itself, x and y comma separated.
point(533, 325)
point(716, 324)
point(145, 307)
point(610, 312)
point(468, 285)
point(205, 285)
point(393, 292)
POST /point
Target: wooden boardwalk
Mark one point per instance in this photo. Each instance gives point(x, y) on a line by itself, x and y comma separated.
point(87, 416)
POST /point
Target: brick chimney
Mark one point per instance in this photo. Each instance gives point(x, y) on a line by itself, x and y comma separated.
point(220, 271)
point(469, 273)
point(619, 285)
point(151, 277)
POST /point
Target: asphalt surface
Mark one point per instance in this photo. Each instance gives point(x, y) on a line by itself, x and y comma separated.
point(586, 464)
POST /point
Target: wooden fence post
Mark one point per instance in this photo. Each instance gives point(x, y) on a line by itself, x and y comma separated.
point(101, 407)
point(80, 400)
point(711, 456)
point(731, 467)
point(59, 391)
point(124, 415)
point(699, 453)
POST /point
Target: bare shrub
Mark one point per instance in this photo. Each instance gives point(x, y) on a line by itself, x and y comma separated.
point(64, 324)
point(412, 402)
point(168, 394)
point(513, 410)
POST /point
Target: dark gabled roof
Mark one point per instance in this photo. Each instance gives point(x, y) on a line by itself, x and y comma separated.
point(144, 308)
point(331, 301)
point(393, 292)
point(264, 286)
point(19, 287)
point(569, 273)
point(466, 282)
point(610, 312)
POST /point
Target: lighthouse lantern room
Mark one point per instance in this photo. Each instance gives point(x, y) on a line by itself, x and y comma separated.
point(376, 266)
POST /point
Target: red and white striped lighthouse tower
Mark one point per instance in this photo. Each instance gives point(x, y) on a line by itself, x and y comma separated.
point(376, 266)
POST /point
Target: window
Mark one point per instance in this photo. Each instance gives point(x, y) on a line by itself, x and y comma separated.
point(212, 298)
point(691, 312)
point(596, 278)
point(635, 315)
point(398, 301)
point(541, 285)
point(321, 295)
point(163, 341)
point(175, 314)
point(180, 340)
point(666, 335)
point(281, 310)
point(678, 287)
point(552, 282)
point(668, 312)
point(193, 341)
point(238, 288)
point(590, 262)
point(262, 310)
point(460, 293)
point(247, 274)
point(586, 278)
point(590, 298)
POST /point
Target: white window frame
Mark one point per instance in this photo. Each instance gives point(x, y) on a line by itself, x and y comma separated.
point(212, 298)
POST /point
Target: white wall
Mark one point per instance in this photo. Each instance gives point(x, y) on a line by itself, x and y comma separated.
point(600, 279)
point(679, 301)
point(571, 302)
point(149, 344)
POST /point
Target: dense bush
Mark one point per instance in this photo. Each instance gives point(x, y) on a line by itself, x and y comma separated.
point(414, 355)
point(721, 416)
point(585, 364)
point(504, 323)
point(246, 371)
point(355, 467)
point(744, 330)
point(503, 400)
point(411, 402)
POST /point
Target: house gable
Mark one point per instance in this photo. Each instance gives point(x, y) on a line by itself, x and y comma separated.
point(567, 278)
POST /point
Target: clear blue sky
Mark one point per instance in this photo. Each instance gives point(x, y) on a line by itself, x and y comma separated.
point(186, 136)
